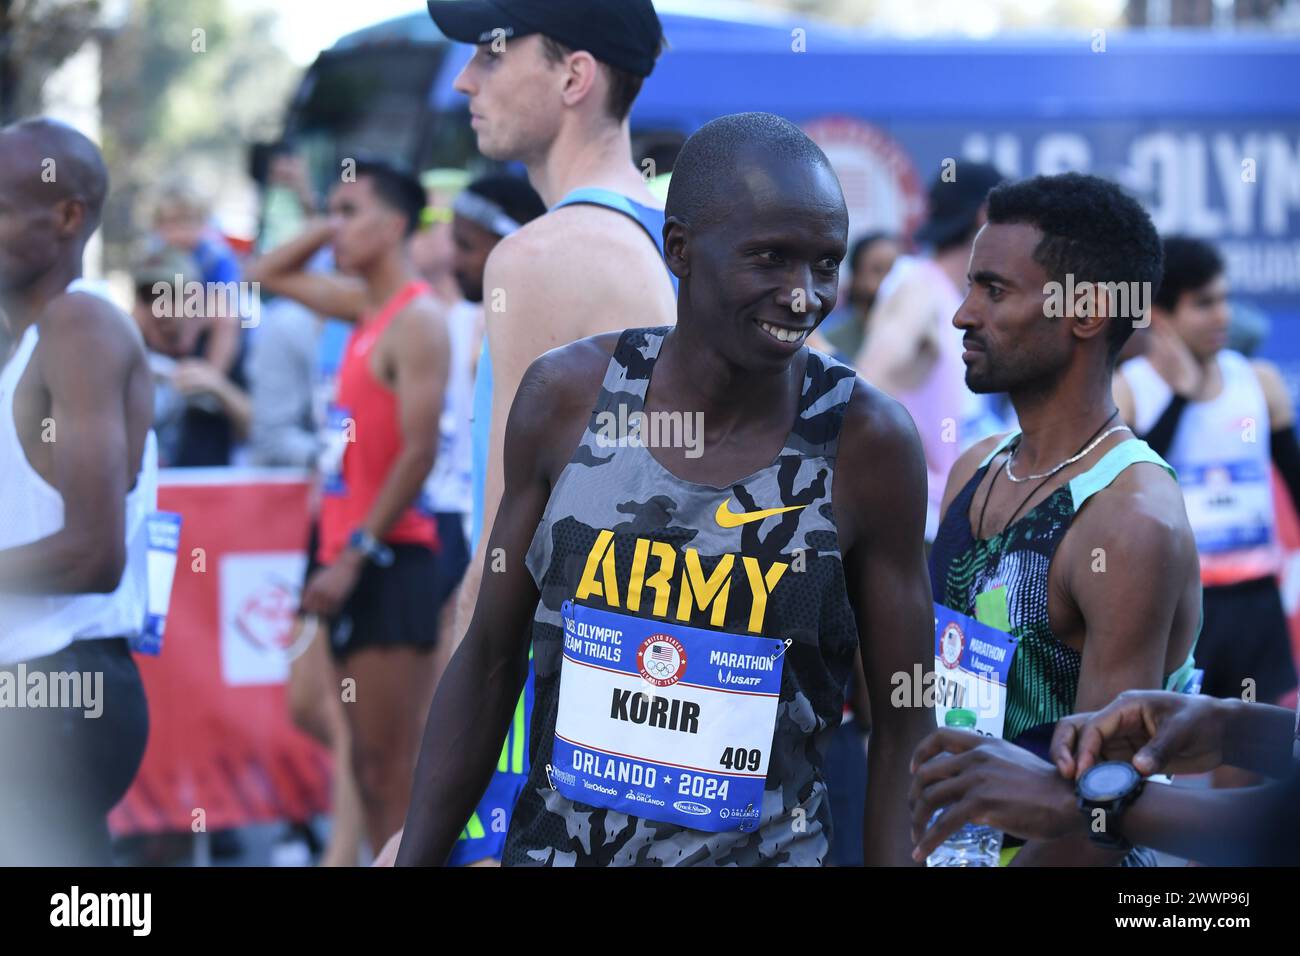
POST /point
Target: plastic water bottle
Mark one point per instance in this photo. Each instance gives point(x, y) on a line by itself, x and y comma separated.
point(971, 845)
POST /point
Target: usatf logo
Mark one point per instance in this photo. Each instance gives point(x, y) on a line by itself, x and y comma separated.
point(950, 645)
point(661, 660)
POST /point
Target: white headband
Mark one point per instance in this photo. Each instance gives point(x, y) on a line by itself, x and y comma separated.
point(484, 212)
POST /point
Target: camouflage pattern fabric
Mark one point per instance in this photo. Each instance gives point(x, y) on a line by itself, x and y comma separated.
point(624, 490)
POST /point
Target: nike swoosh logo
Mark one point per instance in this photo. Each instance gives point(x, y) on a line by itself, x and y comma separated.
point(727, 518)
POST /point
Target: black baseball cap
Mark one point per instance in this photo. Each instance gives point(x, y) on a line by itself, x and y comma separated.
point(624, 34)
point(955, 203)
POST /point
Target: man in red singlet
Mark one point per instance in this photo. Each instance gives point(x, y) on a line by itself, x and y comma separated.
point(376, 553)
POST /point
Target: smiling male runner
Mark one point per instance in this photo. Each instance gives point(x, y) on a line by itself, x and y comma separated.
point(693, 618)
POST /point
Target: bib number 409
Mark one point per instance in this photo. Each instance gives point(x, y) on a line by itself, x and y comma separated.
point(710, 788)
point(738, 758)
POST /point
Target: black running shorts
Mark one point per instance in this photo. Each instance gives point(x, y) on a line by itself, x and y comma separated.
point(1245, 637)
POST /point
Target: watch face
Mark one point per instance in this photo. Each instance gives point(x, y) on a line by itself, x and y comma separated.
point(1107, 781)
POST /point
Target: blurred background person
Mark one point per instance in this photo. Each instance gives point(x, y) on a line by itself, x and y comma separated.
point(288, 199)
point(448, 495)
point(870, 260)
point(377, 556)
point(284, 366)
point(910, 349)
point(182, 220)
point(482, 214)
point(1223, 422)
point(201, 412)
point(293, 361)
point(283, 378)
point(488, 210)
point(431, 247)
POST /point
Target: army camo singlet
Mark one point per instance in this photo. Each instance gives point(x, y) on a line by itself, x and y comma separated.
point(613, 506)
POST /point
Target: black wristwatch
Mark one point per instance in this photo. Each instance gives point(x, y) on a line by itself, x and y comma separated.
point(371, 548)
point(1110, 787)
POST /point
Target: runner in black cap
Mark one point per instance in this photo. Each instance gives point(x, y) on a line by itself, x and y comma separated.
point(624, 35)
point(551, 85)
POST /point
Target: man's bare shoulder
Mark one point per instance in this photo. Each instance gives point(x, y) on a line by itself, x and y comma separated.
point(571, 374)
point(558, 392)
point(872, 417)
point(84, 324)
point(879, 445)
point(585, 220)
point(968, 462)
point(965, 467)
point(423, 315)
point(567, 284)
point(1141, 511)
point(571, 240)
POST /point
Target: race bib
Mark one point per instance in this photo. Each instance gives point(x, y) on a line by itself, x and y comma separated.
point(971, 664)
point(1230, 506)
point(664, 721)
point(338, 434)
point(164, 533)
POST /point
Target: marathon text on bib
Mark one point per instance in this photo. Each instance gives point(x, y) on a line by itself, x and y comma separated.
point(971, 665)
point(664, 721)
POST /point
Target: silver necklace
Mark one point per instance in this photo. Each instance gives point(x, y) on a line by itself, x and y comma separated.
point(1069, 461)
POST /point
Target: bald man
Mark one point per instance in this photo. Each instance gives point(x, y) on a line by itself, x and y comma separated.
point(694, 608)
point(78, 479)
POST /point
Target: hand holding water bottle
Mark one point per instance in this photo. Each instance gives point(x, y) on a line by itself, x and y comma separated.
point(960, 778)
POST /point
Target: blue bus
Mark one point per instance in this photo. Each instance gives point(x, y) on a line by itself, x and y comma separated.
point(1203, 127)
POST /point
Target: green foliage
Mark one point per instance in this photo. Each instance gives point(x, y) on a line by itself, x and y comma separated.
point(35, 37)
point(187, 86)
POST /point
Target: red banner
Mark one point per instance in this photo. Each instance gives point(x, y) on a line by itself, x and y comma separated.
point(220, 739)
